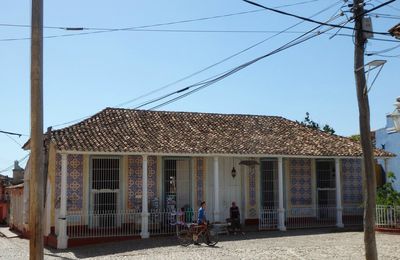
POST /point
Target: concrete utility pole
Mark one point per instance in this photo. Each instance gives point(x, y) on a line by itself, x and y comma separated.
point(36, 141)
point(366, 144)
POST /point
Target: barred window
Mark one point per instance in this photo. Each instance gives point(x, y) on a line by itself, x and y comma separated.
point(105, 173)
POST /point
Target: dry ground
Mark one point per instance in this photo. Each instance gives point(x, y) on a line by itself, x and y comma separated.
point(310, 244)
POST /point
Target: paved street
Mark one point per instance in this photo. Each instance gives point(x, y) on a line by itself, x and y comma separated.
point(256, 245)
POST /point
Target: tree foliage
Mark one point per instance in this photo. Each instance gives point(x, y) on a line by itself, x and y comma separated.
point(387, 195)
point(314, 125)
point(356, 138)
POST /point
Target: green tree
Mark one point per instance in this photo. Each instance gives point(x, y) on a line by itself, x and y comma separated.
point(356, 138)
point(314, 125)
point(387, 195)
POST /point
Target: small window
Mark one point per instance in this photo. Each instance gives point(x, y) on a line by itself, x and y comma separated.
point(105, 174)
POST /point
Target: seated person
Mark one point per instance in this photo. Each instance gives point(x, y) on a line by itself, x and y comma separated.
point(181, 216)
point(234, 214)
point(202, 222)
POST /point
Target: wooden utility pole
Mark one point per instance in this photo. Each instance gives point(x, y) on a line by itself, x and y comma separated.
point(366, 144)
point(36, 142)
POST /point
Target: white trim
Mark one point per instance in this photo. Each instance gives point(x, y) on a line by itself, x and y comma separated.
point(339, 218)
point(216, 155)
point(145, 211)
point(216, 190)
point(281, 209)
point(62, 239)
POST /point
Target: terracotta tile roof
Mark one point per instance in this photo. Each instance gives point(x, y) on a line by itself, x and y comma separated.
point(124, 130)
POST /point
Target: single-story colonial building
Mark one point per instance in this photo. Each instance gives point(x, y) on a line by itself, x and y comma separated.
point(123, 173)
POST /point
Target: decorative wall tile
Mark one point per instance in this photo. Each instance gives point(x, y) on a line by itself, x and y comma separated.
point(74, 181)
point(352, 181)
point(300, 182)
point(252, 211)
point(58, 181)
point(199, 175)
point(135, 168)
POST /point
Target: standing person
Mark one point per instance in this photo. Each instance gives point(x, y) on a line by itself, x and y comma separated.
point(235, 217)
point(201, 219)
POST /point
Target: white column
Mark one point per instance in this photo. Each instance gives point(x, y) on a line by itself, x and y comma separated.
point(62, 239)
point(339, 209)
point(216, 190)
point(281, 209)
point(145, 210)
point(47, 222)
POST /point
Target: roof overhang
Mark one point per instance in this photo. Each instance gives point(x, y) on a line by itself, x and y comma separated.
point(97, 153)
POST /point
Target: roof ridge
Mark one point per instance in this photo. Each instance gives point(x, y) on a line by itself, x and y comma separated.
point(191, 112)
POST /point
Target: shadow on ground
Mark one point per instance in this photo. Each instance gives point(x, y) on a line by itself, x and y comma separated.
point(171, 241)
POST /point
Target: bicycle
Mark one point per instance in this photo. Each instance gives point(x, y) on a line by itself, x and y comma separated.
point(194, 233)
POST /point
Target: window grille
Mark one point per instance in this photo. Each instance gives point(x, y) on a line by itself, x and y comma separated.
point(105, 173)
point(105, 183)
point(269, 183)
point(176, 183)
point(326, 183)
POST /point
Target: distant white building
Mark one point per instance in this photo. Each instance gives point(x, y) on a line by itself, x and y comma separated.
point(388, 138)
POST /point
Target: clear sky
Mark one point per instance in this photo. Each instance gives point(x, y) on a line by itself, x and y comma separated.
point(86, 73)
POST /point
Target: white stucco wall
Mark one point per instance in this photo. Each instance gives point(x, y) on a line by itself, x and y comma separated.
point(390, 141)
point(230, 189)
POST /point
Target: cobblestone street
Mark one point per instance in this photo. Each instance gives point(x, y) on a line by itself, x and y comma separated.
point(312, 244)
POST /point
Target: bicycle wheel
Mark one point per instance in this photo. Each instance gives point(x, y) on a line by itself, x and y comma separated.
point(211, 237)
point(184, 237)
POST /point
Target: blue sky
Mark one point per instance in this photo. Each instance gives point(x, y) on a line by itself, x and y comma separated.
point(84, 74)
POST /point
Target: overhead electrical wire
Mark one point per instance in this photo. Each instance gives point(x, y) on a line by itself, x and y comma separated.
point(388, 16)
point(12, 133)
point(200, 71)
point(321, 23)
point(387, 56)
point(157, 24)
point(262, 57)
point(12, 165)
point(217, 79)
point(290, 44)
point(223, 60)
point(12, 139)
point(133, 28)
point(390, 6)
point(382, 51)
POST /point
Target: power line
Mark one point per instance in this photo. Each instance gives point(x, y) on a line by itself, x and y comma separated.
point(200, 71)
point(12, 133)
point(388, 56)
point(134, 28)
point(223, 60)
point(382, 51)
point(321, 23)
point(12, 165)
point(380, 39)
point(388, 16)
point(175, 31)
point(262, 57)
point(290, 44)
point(15, 141)
point(390, 6)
